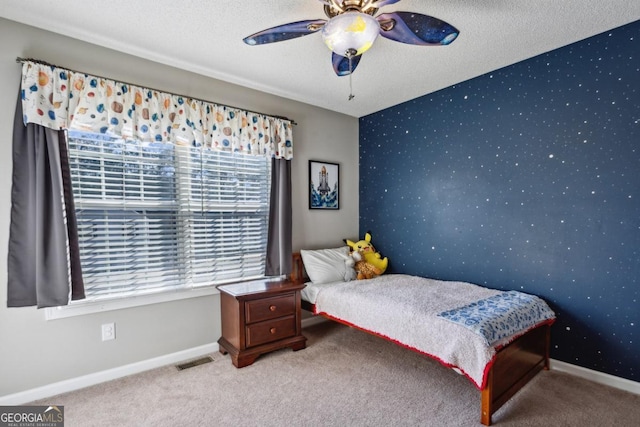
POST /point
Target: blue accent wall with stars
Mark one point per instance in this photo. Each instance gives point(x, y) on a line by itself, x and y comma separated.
point(526, 178)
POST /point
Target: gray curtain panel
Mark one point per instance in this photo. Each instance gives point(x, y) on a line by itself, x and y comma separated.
point(43, 263)
point(279, 244)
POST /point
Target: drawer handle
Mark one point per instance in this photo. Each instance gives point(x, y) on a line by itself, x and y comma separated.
point(272, 330)
point(273, 308)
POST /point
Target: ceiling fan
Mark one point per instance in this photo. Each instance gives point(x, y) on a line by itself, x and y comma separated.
point(353, 27)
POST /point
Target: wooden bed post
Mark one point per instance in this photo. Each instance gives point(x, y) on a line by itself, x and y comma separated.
point(547, 351)
point(486, 409)
point(297, 269)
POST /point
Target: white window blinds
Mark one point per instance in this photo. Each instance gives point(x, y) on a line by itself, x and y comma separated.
point(154, 216)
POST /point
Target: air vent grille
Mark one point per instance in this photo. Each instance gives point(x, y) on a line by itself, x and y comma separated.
point(193, 363)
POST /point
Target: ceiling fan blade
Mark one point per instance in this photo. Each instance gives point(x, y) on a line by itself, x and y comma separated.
point(414, 28)
point(288, 31)
point(378, 4)
point(341, 64)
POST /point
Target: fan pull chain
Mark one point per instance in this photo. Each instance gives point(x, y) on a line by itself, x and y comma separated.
point(351, 95)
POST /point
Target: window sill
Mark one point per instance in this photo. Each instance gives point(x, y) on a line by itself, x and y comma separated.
point(81, 308)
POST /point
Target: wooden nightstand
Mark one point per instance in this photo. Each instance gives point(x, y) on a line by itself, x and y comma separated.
point(259, 317)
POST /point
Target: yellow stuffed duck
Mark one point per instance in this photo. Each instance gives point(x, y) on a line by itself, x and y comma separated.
point(368, 262)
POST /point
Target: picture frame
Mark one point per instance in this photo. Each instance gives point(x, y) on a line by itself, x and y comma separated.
point(324, 185)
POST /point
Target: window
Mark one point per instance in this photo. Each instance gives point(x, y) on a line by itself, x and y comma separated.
point(154, 216)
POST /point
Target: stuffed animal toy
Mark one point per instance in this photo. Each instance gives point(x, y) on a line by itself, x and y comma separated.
point(365, 250)
point(362, 269)
point(350, 271)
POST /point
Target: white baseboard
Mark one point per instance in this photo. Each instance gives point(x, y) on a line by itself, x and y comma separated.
point(595, 376)
point(103, 376)
point(156, 362)
point(119, 372)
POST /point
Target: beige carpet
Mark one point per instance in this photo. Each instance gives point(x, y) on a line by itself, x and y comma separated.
point(343, 378)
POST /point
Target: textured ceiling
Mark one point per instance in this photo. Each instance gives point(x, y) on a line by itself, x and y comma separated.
point(205, 36)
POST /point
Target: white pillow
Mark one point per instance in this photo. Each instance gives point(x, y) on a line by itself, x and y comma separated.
point(326, 265)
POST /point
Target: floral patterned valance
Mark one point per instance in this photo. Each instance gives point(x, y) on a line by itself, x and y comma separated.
point(63, 99)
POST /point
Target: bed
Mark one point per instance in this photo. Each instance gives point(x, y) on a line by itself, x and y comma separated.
point(498, 339)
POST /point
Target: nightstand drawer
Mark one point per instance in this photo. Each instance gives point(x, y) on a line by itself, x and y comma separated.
point(270, 308)
point(264, 332)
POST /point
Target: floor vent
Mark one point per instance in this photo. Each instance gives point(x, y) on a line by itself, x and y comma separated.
point(197, 362)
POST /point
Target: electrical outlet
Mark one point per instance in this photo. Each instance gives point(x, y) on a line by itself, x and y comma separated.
point(108, 331)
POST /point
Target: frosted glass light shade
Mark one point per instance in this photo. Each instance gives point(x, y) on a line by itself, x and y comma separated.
point(350, 32)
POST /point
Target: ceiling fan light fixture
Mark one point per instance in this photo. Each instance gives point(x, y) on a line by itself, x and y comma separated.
point(350, 32)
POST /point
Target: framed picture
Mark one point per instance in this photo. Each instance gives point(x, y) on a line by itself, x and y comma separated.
point(324, 185)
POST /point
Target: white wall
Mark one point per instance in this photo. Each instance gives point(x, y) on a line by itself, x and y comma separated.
point(35, 352)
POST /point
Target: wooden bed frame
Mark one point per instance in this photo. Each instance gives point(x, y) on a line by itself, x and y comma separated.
point(514, 366)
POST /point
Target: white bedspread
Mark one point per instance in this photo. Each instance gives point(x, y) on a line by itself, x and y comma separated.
point(405, 310)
